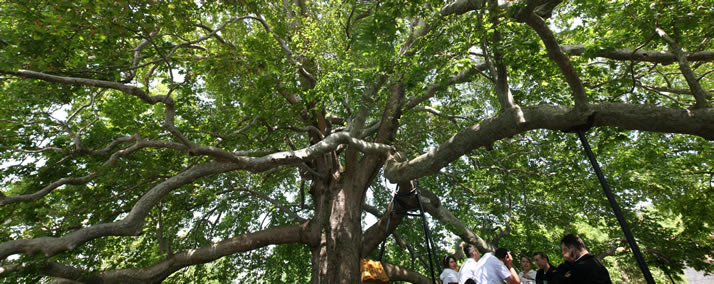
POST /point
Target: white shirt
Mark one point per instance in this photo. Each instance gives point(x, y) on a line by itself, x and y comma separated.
point(488, 270)
point(449, 275)
point(530, 273)
point(468, 270)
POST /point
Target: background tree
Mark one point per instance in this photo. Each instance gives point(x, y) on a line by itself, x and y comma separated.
point(220, 140)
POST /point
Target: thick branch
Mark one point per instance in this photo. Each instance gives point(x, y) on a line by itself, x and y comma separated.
point(291, 56)
point(432, 204)
point(430, 91)
point(158, 272)
point(398, 273)
point(700, 94)
point(84, 179)
point(130, 90)
point(275, 203)
point(669, 89)
point(403, 244)
point(503, 92)
point(654, 56)
point(459, 7)
point(132, 224)
point(557, 55)
point(375, 234)
point(45, 190)
point(698, 122)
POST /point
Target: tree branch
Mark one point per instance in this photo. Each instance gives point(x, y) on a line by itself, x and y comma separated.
point(654, 56)
point(459, 7)
point(403, 244)
point(430, 91)
point(698, 122)
point(131, 225)
point(700, 95)
point(678, 91)
point(127, 89)
point(503, 92)
point(275, 203)
point(398, 273)
point(158, 272)
point(375, 234)
point(432, 204)
point(557, 55)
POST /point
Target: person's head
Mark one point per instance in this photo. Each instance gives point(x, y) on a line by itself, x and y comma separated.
point(526, 263)
point(504, 256)
point(500, 253)
point(450, 262)
point(470, 281)
point(541, 260)
point(471, 252)
point(572, 246)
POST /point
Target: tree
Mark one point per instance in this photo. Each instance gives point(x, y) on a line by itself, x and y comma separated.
point(240, 139)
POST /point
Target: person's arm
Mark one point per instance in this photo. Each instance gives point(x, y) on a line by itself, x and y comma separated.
point(513, 279)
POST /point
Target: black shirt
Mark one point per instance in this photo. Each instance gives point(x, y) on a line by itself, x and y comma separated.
point(542, 276)
point(558, 274)
point(587, 269)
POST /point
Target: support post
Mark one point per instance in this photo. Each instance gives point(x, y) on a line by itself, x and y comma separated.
point(616, 208)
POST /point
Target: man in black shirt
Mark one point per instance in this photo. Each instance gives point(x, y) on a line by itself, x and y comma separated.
point(584, 267)
point(544, 275)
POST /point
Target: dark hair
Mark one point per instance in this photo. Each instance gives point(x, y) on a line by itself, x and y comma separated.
point(469, 250)
point(446, 260)
point(500, 253)
point(573, 240)
point(470, 281)
point(542, 255)
point(527, 257)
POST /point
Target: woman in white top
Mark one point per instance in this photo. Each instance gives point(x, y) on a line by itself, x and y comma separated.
point(528, 275)
point(451, 270)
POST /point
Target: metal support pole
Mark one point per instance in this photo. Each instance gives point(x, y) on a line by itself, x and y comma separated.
point(427, 236)
point(616, 208)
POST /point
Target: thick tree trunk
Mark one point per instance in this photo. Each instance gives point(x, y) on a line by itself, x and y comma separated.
point(336, 258)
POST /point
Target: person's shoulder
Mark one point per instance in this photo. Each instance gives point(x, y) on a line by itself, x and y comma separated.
point(589, 260)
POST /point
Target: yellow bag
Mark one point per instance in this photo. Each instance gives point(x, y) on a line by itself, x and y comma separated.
point(372, 272)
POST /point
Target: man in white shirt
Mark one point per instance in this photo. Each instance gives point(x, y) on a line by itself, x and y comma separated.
point(468, 268)
point(489, 269)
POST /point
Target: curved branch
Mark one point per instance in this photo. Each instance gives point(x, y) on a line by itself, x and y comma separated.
point(132, 224)
point(127, 89)
point(654, 56)
point(398, 273)
point(700, 94)
point(698, 122)
point(275, 203)
point(403, 244)
point(4, 200)
point(374, 235)
point(156, 273)
point(432, 204)
point(459, 7)
point(430, 91)
point(331, 142)
point(557, 55)
point(84, 179)
point(500, 74)
point(286, 49)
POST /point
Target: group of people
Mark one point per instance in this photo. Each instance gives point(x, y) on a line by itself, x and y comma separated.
point(580, 266)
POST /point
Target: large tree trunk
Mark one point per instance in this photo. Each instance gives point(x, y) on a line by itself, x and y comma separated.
point(336, 258)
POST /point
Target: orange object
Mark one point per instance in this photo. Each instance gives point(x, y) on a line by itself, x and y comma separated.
point(372, 272)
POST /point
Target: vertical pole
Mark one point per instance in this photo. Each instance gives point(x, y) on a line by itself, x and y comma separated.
point(616, 209)
point(427, 236)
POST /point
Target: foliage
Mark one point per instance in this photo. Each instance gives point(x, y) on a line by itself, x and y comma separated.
point(240, 90)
